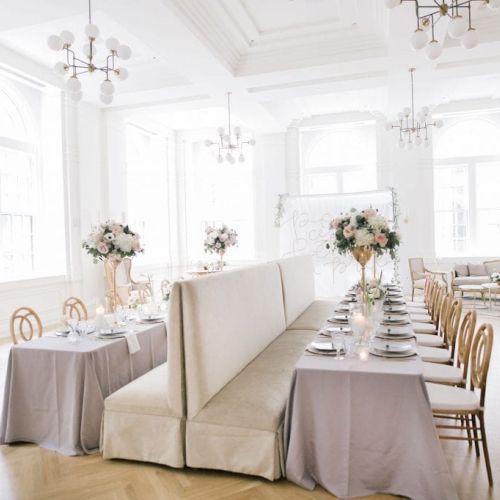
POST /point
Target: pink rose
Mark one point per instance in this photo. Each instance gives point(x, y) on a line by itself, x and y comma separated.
point(116, 229)
point(381, 239)
point(348, 232)
point(336, 222)
point(102, 248)
point(370, 212)
point(136, 245)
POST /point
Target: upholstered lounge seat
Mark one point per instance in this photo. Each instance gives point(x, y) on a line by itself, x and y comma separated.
point(250, 409)
point(315, 316)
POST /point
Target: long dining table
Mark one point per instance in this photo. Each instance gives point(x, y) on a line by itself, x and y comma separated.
point(363, 425)
point(55, 389)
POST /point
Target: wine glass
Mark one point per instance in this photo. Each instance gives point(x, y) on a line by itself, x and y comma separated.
point(338, 343)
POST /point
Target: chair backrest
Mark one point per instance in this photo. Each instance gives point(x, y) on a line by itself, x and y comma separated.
point(452, 323)
point(440, 304)
point(464, 341)
point(229, 318)
point(429, 282)
point(25, 322)
point(417, 268)
point(480, 356)
point(74, 308)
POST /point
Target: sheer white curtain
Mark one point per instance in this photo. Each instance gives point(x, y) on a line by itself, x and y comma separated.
point(304, 229)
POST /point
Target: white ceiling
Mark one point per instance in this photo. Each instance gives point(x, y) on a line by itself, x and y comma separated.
point(283, 60)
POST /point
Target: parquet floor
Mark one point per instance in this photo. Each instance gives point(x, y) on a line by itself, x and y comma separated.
point(30, 472)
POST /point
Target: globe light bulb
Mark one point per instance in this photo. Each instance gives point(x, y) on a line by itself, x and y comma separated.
point(237, 130)
point(425, 110)
point(55, 42)
point(419, 39)
point(229, 157)
point(407, 111)
point(106, 98)
point(457, 26)
point(470, 39)
point(433, 50)
point(420, 117)
point(122, 73)
point(252, 142)
point(76, 96)
point(400, 116)
point(220, 131)
point(87, 51)
point(241, 158)
point(208, 143)
point(418, 140)
point(107, 87)
point(92, 31)
point(67, 37)
point(60, 68)
point(232, 161)
point(220, 159)
point(438, 123)
point(390, 4)
point(124, 52)
point(112, 44)
point(73, 84)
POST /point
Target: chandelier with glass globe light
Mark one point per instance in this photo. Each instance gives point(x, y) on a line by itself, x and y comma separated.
point(75, 66)
point(413, 129)
point(429, 12)
point(226, 143)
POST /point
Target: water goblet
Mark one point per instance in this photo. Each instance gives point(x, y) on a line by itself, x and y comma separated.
point(338, 344)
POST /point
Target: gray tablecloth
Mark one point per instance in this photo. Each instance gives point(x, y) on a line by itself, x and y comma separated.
point(55, 390)
point(359, 427)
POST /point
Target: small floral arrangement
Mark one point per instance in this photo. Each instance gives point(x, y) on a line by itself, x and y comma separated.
point(365, 228)
point(375, 289)
point(134, 299)
point(111, 240)
point(219, 239)
point(495, 277)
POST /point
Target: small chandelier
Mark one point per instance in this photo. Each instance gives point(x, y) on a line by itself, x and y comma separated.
point(226, 144)
point(429, 12)
point(76, 66)
point(413, 129)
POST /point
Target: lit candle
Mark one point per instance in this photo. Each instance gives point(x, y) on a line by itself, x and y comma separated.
point(99, 318)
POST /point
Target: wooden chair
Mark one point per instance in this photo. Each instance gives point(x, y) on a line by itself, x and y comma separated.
point(144, 287)
point(418, 273)
point(25, 318)
point(458, 373)
point(462, 404)
point(165, 288)
point(74, 308)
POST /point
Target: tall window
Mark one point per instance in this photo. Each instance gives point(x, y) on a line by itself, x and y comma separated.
point(18, 190)
point(467, 187)
point(147, 193)
point(341, 159)
point(215, 194)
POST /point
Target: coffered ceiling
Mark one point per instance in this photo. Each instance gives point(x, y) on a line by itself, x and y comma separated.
point(283, 59)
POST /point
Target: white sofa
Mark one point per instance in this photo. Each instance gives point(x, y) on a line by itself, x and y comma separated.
point(243, 332)
point(466, 279)
point(145, 419)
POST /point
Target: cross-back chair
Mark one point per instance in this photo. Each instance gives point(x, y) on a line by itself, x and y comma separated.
point(25, 323)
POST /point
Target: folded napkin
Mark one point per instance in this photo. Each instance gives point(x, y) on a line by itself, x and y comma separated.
point(132, 342)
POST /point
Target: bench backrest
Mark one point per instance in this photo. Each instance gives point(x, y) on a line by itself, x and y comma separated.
point(228, 319)
point(297, 276)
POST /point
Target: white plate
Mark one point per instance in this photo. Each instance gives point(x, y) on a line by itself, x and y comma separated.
point(393, 347)
point(152, 317)
point(322, 346)
point(395, 308)
point(403, 336)
point(110, 336)
point(392, 355)
point(112, 331)
point(338, 329)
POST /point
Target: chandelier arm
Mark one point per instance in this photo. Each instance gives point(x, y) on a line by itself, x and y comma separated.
point(81, 72)
point(90, 13)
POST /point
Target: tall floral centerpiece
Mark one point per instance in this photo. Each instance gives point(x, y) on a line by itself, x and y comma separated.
point(111, 242)
point(219, 239)
point(363, 233)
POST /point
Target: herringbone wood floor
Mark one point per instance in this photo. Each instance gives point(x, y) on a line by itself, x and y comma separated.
point(30, 472)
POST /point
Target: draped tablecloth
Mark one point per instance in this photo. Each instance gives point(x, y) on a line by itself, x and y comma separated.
point(359, 427)
point(55, 389)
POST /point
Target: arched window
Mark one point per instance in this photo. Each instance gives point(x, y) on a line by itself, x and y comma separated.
point(340, 159)
point(17, 185)
point(466, 187)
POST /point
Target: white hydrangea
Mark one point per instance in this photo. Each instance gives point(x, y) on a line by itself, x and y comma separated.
point(124, 242)
point(363, 237)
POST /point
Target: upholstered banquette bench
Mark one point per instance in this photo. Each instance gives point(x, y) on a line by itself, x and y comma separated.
point(238, 337)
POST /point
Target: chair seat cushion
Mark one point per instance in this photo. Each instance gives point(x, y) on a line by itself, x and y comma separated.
point(429, 340)
point(424, 328)
point(442, 374)
point(420, 318)
point(434, 354)
point(416, 303)
point(315, 316)
point(420, 284)
point(146, 395)
point(447, 398)
point(471, 280)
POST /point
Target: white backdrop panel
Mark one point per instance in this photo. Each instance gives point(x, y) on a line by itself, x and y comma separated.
point(304, 229)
